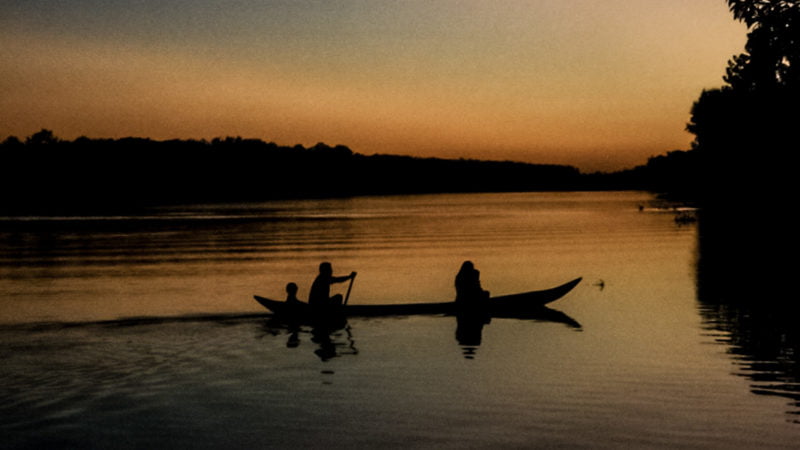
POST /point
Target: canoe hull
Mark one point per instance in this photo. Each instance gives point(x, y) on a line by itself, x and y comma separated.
point(506, 305)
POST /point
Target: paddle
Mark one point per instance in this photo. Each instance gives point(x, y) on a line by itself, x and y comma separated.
point(349, 288)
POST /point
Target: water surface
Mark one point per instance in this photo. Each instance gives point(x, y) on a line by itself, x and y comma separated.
point(145, 327)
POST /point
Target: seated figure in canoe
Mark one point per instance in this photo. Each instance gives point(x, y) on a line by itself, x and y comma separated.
point(472, 305)
point(470, 299)
point(469, 293)
point(291, 294)
point(294, 306)
point(320, 298)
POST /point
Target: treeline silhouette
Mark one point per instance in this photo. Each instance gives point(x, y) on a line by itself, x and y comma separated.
point(675, 176)
point(746, 133)
point(48, 175)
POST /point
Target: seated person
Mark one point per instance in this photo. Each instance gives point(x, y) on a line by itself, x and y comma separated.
point(291, 293)
point(468, 286)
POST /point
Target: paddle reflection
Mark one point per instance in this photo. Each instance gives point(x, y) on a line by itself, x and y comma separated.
point(329, 340)
point(333, 343)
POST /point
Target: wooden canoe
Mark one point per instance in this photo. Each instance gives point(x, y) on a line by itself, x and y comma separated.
point(514, 305)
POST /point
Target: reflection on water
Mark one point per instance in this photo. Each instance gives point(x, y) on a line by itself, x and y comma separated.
point(470, 325)
point(637, 373)
point(469, 332)
point(764, 345)
point(328, 341)
point(213, 258)
point(333, 339)
point(748, 306)
point(333, 343)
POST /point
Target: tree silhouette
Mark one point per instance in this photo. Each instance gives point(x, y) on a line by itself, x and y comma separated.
point(42, 137)
point(746, 134)
point(773, 46)
point(48, 175)
point(11, 142)
point(746, 130)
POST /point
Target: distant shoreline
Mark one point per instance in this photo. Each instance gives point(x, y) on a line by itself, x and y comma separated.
point(45, 175)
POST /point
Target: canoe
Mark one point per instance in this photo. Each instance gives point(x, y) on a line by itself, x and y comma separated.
point(514, 305)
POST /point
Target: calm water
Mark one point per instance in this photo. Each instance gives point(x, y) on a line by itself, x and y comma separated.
point(132, 332)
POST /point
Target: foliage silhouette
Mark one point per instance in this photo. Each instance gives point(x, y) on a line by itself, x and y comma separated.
point(746, 131)
point(773, 46)
point(745, 136)
point(48, 175)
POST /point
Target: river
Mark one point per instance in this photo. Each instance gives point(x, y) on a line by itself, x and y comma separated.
point(141, 331)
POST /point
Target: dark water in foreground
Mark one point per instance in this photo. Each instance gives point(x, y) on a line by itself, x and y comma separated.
point(651, 365)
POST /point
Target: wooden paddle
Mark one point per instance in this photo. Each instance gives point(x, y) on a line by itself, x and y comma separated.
point(349, 288)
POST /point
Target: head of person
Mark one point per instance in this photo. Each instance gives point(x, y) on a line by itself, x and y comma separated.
point(467, 266)
point(326, 269)
point(291, 289)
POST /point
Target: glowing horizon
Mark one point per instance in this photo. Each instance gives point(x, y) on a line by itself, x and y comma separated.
point(596, 86)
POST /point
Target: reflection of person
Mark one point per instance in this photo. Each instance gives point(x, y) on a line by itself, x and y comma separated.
point(320, 295)
point(468, 286)
point(469, 331)
point(294, 338)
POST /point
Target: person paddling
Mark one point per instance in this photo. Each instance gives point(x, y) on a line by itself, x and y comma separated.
point(320, 295)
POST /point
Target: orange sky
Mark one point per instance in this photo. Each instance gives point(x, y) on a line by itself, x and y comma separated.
point(600, 85)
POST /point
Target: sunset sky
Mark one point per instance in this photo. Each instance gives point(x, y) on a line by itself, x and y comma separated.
point(598, 84)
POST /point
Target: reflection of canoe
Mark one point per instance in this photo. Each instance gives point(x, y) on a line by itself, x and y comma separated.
point(516, 305)
point(469, 329)
point(542, 314)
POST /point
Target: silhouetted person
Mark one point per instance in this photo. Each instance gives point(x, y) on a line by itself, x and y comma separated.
point(320, 296)
point(472, 313)
point(469, 292)
point(291, 293)
point(294, 309)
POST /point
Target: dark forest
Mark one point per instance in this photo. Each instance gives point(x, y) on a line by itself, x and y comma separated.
point(44, 174)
